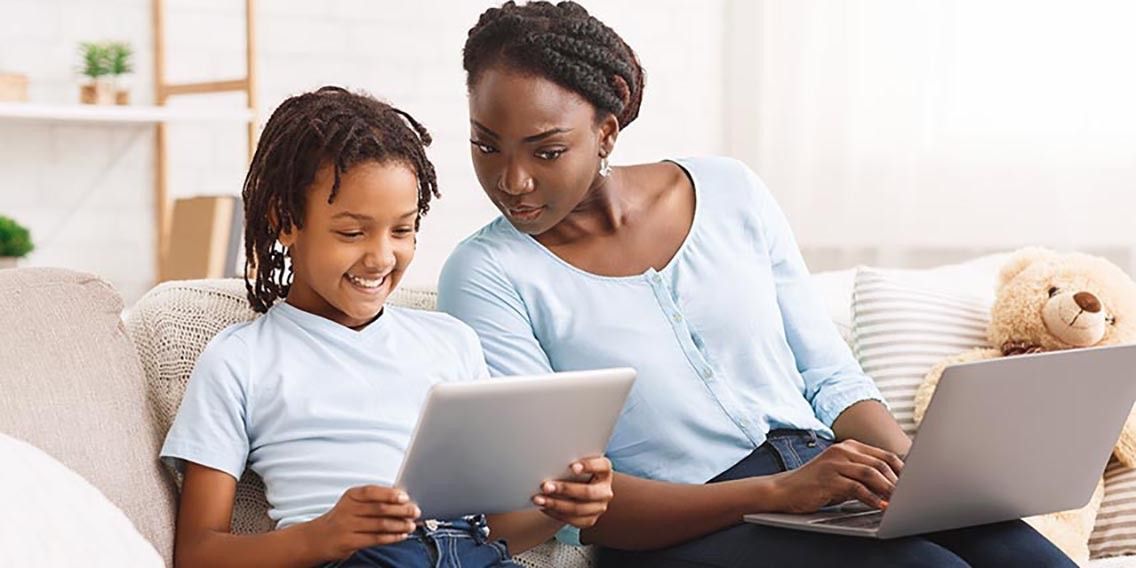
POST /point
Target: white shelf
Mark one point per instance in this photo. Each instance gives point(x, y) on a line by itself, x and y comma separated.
point(125, 114)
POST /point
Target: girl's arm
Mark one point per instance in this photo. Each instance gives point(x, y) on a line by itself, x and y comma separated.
point(363, 517)
point(203, 537)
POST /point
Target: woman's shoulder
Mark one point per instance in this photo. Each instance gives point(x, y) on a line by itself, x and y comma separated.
point(724, 185)
point(718, 170)
point(490, 251)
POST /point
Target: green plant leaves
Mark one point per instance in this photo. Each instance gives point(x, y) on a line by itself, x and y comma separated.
point(100, 59)
point(15, 240)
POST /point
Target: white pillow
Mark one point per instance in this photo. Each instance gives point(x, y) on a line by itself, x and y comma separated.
point(974, 279)
point(901, 330)
point(53, 517)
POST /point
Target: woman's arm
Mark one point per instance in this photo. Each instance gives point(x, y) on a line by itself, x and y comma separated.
point(363, 517)
point(647, 514)
point(869, 422)
point(576, 503)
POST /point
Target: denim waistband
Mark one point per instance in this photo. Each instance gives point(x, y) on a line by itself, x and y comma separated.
point(475, 526)
point(795, 447)
point(806, 436)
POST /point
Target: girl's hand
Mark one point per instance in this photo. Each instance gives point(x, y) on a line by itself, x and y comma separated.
point(846, 470)
point(578, 503)
point(365, 516)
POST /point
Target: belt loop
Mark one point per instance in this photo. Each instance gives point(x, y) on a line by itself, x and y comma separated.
point(812, 439)
point(479, 527)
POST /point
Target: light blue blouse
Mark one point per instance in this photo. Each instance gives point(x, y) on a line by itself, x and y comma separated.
point(729, 339)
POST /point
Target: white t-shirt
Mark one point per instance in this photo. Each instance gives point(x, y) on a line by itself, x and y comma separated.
point(315, 407)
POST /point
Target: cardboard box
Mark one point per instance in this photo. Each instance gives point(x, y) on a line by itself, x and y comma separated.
point(13, 87)
point(205, 237)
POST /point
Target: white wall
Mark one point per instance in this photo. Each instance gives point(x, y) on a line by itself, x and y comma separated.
point(85, 191)
point(906, 131)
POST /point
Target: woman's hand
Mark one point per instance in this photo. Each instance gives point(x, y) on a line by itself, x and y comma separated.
point(578, 503)
point(843, 471)
point(365, 516)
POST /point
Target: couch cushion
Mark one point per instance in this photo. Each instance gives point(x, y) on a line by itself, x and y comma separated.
point(73, 388)
point(51, 500)
point(171, 325)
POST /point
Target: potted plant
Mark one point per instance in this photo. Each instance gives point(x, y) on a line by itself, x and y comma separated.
point(15, 242)
point(96, 67)
point(121, 59)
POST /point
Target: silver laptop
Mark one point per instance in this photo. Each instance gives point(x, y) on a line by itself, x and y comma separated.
point(1002, 439)
point(485, 446)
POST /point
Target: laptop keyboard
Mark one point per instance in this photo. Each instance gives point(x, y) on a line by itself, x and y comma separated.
point(868, 520)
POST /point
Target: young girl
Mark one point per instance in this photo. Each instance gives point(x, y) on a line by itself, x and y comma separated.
point(747, 400)
point(319, 396)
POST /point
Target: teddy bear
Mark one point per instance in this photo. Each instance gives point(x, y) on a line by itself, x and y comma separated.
point(1048, 301)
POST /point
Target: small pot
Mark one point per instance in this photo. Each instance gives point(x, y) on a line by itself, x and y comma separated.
point(97, 92)
point(8, 262)
point(122, 97)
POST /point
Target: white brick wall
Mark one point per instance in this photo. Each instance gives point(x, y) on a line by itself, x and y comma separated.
point(85, 191)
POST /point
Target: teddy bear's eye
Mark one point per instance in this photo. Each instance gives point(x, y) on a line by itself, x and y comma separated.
point(1053, 291)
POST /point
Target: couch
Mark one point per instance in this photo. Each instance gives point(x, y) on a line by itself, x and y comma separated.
point(86, 397)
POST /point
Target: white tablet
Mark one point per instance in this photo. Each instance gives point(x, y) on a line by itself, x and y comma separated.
point(485, 446)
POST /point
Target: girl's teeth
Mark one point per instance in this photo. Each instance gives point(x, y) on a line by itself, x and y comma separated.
point(365, 282)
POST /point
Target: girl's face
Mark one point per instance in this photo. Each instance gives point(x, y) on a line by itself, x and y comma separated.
point(352, 252)
point(536, 147)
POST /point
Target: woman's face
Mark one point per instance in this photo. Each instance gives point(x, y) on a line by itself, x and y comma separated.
point(536, 147)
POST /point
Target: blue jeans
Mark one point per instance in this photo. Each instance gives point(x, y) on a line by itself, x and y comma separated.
point(1007, 544)
point(462, 543)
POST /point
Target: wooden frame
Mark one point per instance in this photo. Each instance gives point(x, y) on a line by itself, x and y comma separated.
point(163, 91)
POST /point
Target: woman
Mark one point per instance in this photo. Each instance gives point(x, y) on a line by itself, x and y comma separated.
point(747, 399)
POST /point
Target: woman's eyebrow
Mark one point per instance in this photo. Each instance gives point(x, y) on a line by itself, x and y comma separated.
point(546, 134)
point(483, 129)
point(527, 139)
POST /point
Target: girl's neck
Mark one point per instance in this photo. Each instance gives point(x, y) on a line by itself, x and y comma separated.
point(307, 301)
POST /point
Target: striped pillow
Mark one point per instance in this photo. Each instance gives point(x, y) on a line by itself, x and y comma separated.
point(1115, 531)
point(900, 330)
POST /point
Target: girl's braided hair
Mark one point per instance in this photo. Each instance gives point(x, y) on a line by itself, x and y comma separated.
point(330, 125)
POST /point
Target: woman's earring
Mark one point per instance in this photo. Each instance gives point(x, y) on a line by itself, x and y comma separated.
point(605, 167)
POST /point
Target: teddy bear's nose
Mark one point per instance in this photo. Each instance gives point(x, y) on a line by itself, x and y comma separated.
point(1087, 302)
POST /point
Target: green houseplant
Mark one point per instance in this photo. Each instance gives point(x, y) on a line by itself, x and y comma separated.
point(120, 58)
point(15, 242)
point(96, 66)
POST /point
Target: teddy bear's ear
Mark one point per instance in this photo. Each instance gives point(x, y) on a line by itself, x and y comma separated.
point(1020, 260)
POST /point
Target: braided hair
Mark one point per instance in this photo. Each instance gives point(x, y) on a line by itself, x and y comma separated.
point(330, 125)
point(564, 44)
